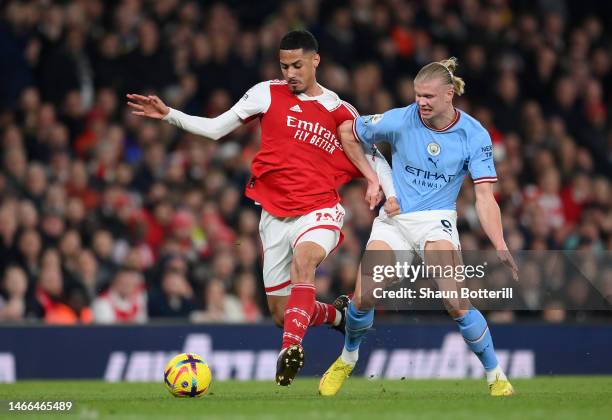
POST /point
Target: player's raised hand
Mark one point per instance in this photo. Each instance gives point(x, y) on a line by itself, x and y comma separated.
point(372, 197)
point(147, 106)
point(506, 258)
point(392, 207)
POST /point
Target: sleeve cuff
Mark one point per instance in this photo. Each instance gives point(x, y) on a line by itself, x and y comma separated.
point(354, 125)
point(484, 179)
point(170, 116)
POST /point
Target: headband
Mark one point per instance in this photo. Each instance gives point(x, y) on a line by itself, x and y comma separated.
point(448, 70)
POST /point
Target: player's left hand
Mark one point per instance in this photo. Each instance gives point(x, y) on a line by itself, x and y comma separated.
point(372, 196)
point(392, 207)
point(506, 258)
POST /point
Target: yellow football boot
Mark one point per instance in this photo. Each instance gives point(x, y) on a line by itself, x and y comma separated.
point(501, 388)
point(334, 377)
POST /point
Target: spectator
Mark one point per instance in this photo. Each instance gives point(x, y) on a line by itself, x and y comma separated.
point(245, 290)
point(78, 185)
point(102, 246)
point(174, 300)
point(219, 306)
point(35, 184)
point(48, 301)
point(12, 298)
point(89, 275)
point(30, 248)
point(28, 215)
point(8, 235)
point(124, 302)
point(224, 267)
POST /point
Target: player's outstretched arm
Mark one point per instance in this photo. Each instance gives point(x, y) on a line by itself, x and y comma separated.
point(490, 219)
point(213, 128)
point(354, 151)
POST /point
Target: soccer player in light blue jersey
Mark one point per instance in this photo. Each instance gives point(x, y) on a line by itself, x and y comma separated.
point(434, 146)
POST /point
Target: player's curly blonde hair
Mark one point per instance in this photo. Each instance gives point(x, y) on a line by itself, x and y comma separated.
point(444, 70)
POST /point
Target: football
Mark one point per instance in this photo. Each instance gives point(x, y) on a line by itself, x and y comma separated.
point(187, 375)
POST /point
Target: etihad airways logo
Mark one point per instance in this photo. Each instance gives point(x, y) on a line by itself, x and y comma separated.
point(428, 178)
point(314, 134)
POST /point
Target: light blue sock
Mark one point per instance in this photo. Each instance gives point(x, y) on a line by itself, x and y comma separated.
point(357, 325)
point(475, 332)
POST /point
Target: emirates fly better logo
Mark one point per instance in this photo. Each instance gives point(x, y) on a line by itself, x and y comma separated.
point(314, 134)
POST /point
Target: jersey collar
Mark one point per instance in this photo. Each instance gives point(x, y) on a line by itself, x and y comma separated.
point(450, 125)
point(328, 98)
point(325, 92)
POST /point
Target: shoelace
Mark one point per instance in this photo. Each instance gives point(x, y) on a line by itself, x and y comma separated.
point(343, 368)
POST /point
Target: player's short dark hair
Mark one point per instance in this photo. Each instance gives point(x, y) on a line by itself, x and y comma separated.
point(295, 40)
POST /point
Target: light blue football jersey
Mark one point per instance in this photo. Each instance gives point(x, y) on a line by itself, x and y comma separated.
point(429, 165)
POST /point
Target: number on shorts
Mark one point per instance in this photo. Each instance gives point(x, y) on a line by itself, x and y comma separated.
point(328, 216)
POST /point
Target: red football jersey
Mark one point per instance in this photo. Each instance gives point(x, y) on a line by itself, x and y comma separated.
point(301, 162)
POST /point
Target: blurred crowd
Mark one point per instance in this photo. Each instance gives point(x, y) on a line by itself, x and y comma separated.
point(107, 217)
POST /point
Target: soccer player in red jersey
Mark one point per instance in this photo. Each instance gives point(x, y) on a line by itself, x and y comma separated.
point(295, 176)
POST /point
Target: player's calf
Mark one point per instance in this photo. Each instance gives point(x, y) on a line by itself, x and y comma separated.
point(301, 302)
point(278, 318)
point(323, 314)
point(277, 305)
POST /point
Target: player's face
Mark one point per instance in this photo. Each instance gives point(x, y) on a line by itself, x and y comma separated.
point(433, 97)
point(299, 69)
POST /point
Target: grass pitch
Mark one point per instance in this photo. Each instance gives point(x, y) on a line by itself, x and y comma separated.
point(542, 398)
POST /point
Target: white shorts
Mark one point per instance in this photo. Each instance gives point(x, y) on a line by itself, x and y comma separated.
point(411, 231)
point(279, 236)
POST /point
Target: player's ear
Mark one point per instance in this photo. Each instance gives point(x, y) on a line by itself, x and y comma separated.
point(450, 93)
point(316, 59)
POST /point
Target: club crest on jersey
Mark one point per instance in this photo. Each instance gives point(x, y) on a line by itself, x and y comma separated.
point(295, 108)
point(433, 149)
point(372, 119)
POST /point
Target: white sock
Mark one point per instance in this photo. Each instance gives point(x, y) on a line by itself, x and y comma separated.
point(338, 318)
point(349, 357)
point(494, 373)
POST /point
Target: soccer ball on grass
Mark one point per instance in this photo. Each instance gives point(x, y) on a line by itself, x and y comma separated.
point(187, 376)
